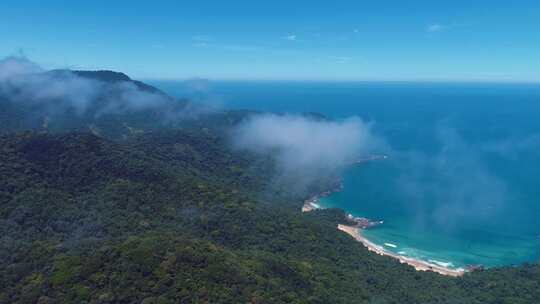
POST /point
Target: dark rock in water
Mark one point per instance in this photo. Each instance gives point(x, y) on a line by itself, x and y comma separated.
point(362, 222)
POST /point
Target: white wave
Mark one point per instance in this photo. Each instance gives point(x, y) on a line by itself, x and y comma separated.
point(390, 245)
point(440, 263)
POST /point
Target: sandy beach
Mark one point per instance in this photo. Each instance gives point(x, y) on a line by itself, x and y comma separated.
point(310, 206)
point(417, 264)
point(313, 204)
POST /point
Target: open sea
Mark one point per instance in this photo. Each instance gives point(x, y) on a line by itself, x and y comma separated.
point(461, 185)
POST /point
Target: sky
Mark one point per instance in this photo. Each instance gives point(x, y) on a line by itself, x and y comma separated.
point(460, 40)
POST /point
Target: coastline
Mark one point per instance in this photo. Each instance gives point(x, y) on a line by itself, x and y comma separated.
point(355, 231)
point(310, 206)
point(419, 265)
point(312, 203)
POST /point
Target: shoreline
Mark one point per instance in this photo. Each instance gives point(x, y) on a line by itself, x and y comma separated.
point(419, 265)
point(355, 231)
point(311, 203)
point(310, 206)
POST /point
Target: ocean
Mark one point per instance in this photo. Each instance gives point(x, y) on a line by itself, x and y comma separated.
point(461, 185)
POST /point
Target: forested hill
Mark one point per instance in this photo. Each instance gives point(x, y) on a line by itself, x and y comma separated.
point(106, 103)
point(112, 77)
point(174, 215)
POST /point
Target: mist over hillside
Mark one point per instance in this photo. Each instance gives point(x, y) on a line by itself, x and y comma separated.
point(113, 192)
point(96, 101)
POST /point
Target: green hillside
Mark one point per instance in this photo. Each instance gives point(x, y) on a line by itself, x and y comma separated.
point(172, 214)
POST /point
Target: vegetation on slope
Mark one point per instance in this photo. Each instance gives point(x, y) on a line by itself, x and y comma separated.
point(173, 215)
point(87, 219)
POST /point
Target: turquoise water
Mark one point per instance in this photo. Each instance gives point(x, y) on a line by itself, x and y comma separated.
point(373, 191)
point(461, 185)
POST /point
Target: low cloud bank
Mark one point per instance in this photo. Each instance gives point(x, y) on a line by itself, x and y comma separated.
point(54, 92)
point(306, 148)
point(444, 189)
point(12, 67)
point(24, 82)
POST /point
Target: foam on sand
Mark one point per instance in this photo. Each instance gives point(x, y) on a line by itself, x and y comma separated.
point(443, 264)
point(418, 264)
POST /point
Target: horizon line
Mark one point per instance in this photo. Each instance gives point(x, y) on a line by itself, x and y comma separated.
point(367, 80)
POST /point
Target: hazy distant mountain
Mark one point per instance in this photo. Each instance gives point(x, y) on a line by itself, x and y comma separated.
point(113, 77)
point(102, 102)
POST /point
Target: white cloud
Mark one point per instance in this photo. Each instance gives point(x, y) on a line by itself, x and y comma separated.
point(306, 148)
point(436, 27)
point(290, 37)
point(23, 81)
point(13, 67)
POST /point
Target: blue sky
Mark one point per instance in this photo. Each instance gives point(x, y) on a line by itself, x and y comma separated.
point(302, 40)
